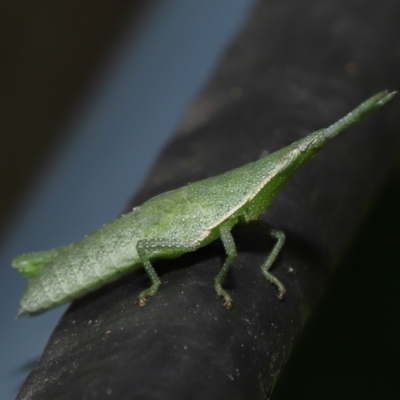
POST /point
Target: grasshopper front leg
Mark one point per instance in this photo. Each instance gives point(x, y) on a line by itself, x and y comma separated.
point(280, 237)
point(231, 252)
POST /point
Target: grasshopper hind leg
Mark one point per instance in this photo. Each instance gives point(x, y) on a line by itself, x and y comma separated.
point(146, 246)
point(231, 253)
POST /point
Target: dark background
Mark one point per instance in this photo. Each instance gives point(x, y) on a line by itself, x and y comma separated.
point(355, 330)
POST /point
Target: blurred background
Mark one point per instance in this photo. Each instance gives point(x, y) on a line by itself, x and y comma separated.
point(89, 93)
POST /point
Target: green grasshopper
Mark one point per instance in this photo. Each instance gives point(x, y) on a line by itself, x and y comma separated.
point(174, 223)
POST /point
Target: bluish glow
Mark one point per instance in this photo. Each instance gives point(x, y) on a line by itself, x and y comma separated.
point(132, 109)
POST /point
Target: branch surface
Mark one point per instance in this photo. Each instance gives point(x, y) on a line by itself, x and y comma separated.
point(296, 67)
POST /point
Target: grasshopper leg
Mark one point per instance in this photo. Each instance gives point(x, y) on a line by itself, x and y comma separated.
point(280, 240)
point(148, 246)
point(231, 253)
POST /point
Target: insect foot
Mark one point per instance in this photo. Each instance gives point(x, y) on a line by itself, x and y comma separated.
point(281, 295)
point(141, 301)
point(228, 304)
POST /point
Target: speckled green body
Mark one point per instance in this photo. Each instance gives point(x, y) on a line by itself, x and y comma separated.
point(172, 224)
